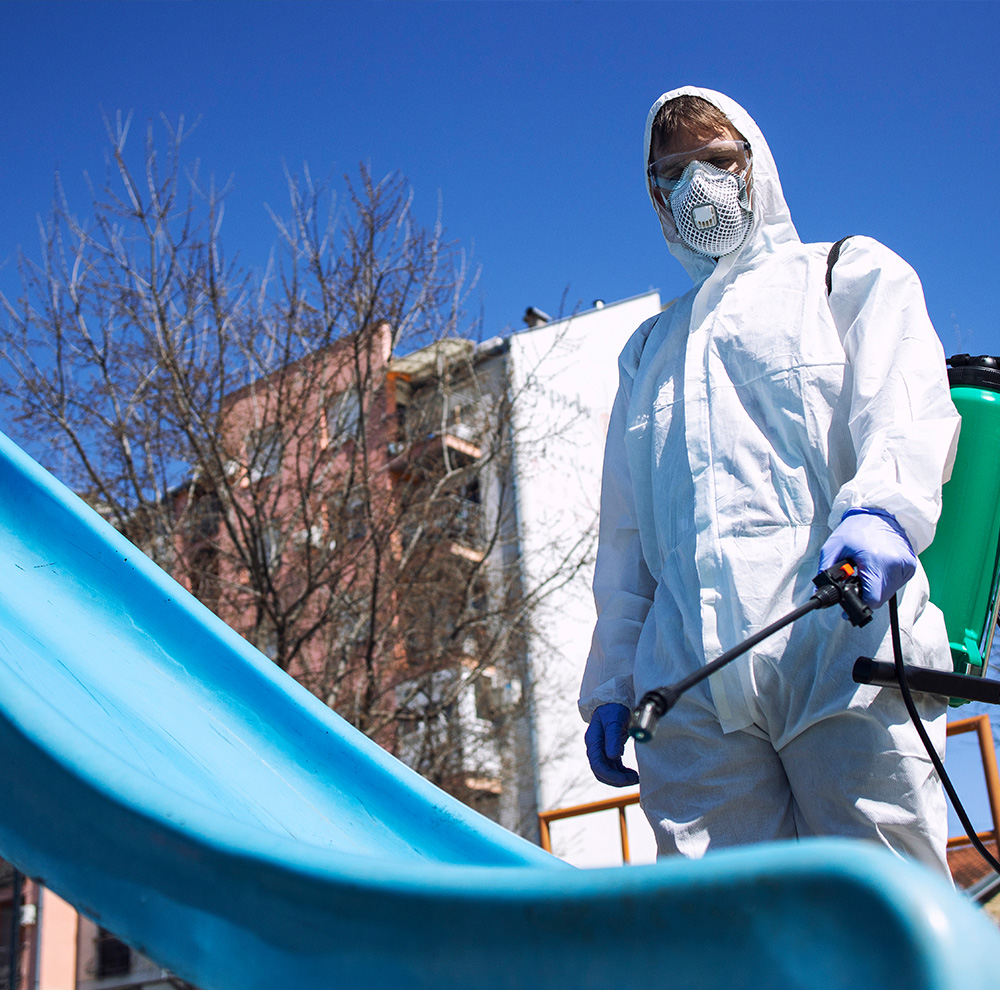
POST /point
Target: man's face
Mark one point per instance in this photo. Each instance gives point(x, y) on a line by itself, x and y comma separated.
point(721, 147)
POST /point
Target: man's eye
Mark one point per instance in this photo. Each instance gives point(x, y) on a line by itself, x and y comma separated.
point(667, 180)
point(725, 162)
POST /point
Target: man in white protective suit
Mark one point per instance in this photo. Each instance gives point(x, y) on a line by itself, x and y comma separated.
point(765, 429)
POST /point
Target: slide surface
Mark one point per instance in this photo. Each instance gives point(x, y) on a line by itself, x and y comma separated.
point(173, 784)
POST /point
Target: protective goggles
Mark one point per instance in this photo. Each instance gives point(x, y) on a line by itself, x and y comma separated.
point(730, 156)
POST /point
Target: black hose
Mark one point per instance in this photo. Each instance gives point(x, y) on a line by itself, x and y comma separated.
point(904, 687)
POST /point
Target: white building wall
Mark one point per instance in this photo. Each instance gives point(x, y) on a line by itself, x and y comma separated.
point(566, 374)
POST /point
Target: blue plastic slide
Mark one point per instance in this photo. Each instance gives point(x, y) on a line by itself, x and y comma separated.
point(173, 784)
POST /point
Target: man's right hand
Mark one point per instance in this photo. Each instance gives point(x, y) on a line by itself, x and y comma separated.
point(875, 542)
point(605, 738)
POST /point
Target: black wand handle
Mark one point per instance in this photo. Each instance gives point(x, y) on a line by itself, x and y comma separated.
point(838, 584)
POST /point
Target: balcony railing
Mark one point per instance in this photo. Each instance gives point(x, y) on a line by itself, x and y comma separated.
point(450, 519)
point(405, 454)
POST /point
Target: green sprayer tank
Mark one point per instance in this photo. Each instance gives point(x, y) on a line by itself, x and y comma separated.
point(963, 562)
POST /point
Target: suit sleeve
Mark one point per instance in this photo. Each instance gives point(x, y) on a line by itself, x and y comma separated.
point(623, 585)
point(902, 420)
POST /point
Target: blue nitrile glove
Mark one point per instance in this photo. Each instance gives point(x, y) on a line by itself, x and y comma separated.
point(879, 548)
point(605, 738)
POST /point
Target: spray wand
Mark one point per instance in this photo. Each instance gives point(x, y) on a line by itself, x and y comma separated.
point(839, 584)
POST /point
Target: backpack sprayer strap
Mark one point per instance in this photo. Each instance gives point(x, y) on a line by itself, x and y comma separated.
point(831, 260)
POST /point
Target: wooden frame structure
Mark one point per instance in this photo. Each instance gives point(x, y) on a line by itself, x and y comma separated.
point(980, 724)
point(620, 803)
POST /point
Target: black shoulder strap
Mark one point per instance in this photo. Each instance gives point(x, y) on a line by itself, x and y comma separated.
point(831, 260)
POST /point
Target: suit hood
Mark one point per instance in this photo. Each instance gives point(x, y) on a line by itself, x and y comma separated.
point(772, 223)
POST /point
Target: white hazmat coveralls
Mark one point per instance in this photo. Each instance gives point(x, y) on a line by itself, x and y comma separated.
point(751, 414)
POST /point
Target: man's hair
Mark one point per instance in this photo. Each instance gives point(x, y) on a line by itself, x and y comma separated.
point(686, 113)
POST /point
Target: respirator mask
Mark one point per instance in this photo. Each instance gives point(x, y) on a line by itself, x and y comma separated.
point(704, 195)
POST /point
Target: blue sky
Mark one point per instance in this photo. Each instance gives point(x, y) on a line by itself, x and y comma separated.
point(526, 120)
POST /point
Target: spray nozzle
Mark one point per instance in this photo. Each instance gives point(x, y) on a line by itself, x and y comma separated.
point(841, 584)
point(649, 711)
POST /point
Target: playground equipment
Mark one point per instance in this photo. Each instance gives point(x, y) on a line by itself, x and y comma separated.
point(173, 784)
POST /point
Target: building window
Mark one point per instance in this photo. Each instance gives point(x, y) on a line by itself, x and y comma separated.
point(356, 519)
point(205, 576)
point(114, 957)
point(343, 416)
point(264, 450)
point(348, 517)
point(268, 543)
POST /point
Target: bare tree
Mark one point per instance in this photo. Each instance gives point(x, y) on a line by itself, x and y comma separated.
point(321, 454)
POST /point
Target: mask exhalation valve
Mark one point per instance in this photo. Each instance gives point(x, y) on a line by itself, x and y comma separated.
point(705, 217)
